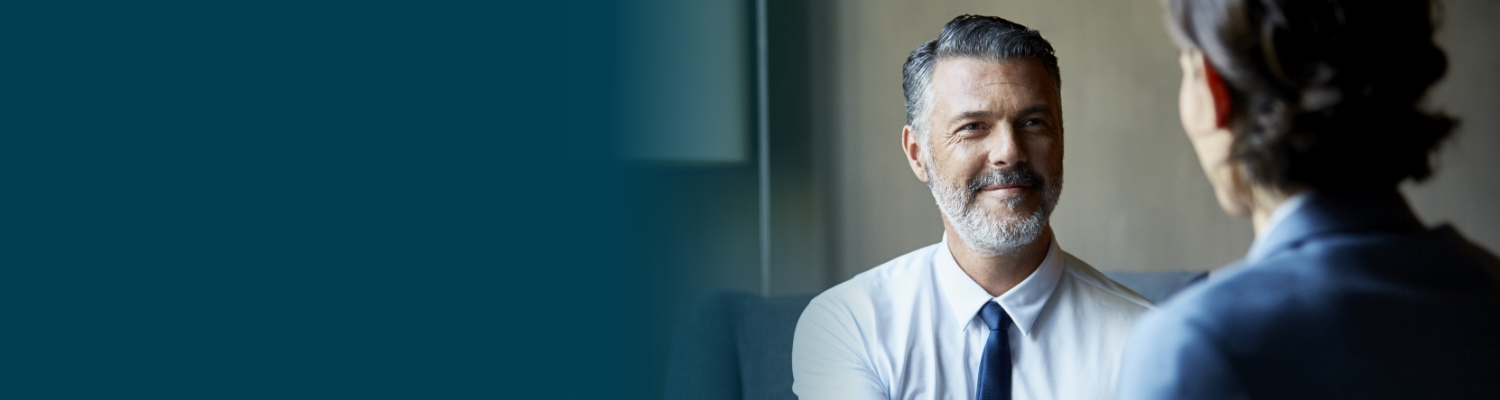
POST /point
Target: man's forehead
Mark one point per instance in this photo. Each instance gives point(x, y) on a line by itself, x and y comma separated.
point(965, 73)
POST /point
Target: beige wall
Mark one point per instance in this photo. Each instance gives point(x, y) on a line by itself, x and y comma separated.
point(1134, 197)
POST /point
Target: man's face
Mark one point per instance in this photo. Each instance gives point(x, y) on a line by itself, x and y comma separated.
point(994, 149)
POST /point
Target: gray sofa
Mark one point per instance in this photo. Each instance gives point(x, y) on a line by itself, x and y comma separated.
point(739, 346)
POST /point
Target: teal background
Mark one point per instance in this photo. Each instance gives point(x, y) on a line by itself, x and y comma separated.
point(311, 200)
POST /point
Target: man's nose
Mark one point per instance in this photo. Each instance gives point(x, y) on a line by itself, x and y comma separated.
point(1004, 147)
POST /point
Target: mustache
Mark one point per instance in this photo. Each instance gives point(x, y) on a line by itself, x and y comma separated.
point(1018, 175)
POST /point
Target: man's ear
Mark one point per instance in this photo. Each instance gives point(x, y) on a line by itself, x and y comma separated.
point(913, 152)
point(1218, 91)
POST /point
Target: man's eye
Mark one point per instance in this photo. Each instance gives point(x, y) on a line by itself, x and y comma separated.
point(1034, 122)
point(973, 126)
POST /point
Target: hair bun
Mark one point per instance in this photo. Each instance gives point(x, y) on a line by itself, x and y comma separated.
point(1323, 93)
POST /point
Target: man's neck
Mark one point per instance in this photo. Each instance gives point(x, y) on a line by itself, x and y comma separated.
point(999, 273)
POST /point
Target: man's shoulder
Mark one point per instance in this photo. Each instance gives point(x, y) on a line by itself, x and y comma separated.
point(882, 283)
point(846, 315)
point(838, 349)
point(1100, 290)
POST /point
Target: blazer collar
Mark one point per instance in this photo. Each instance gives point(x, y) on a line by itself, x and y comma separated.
point(1322, 214)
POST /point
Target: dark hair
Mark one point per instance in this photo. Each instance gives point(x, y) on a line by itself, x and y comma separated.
point(974, 36)
point(1324, 93)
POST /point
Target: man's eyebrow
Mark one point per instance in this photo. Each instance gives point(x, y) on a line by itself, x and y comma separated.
point(1036, 109)
point(1042, 108)
point(972, 115)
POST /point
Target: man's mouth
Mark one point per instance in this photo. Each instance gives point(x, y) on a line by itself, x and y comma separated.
point(1004, 186)
point(1006, 189)
point(1006, 183)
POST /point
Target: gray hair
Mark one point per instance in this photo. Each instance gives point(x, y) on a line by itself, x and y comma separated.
point(970, 36)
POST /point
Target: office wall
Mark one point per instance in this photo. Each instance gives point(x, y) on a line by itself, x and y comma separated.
point(1466, 190)
point(1134, 197)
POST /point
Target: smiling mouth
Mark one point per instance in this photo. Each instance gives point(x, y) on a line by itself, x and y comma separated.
point(1008, 183)
point(1006, 189)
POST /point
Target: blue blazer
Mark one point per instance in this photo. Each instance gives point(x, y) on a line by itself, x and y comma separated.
point(1348, 297)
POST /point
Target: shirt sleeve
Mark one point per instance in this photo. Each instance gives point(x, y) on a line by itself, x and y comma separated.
point(828, 356)
point(1170, 358)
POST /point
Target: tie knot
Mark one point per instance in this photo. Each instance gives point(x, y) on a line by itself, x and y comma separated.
point(994, 316)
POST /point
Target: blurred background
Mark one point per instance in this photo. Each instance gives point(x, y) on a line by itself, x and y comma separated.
point(764, 143)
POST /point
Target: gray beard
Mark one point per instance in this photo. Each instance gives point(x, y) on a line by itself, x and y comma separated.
point(986, 233)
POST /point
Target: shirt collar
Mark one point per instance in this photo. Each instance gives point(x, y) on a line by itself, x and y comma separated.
point(1023, 302)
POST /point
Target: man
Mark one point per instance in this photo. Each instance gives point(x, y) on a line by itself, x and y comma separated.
point(996, 310)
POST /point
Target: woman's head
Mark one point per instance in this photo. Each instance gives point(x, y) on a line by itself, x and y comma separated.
point(1321, 94)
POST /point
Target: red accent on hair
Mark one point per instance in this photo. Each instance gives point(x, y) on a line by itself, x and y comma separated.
point(1219, 92)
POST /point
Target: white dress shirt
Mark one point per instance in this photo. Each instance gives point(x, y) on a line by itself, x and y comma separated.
point(910, 329)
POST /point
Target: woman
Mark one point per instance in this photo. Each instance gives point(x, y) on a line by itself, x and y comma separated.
point(1305, 117)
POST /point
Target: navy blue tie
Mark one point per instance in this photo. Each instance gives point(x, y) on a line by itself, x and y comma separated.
point(994, 367)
